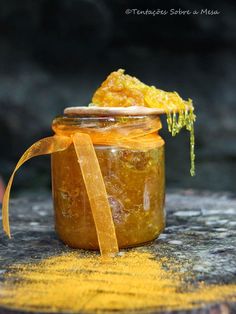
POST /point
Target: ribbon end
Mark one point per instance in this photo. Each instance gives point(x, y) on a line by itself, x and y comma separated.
point(8, 233)
point(6, 226)
point(5, 210)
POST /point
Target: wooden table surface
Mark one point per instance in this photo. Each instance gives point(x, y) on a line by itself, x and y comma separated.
point(201, 231)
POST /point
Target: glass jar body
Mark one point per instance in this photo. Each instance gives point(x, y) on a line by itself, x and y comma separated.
point(135, 185)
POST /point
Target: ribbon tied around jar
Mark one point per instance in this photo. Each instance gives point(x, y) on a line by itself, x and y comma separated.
point(133, 135)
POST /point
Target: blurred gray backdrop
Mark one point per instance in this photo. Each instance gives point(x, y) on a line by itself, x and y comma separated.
point(55, 53)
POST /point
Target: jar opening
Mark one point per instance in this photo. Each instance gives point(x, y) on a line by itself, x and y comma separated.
point(89, 120)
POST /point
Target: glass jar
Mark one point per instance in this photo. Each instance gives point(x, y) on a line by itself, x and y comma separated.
point(134, 179)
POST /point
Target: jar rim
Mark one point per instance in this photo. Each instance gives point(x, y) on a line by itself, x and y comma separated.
point(112, 111)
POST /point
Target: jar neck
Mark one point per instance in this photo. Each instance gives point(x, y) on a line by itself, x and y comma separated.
point(126, 125)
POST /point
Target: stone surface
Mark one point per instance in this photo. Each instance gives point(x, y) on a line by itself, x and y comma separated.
point(200, 232)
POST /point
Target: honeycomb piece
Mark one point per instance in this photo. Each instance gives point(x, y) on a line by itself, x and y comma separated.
point(123, 90)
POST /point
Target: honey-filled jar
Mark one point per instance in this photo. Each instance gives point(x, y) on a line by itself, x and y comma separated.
point(130, 156)
point(108, 177)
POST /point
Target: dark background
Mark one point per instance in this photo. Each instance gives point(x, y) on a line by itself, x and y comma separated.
point(55, 53)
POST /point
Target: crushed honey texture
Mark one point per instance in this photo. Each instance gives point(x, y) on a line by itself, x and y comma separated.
point(84, 282)
point(122, 90)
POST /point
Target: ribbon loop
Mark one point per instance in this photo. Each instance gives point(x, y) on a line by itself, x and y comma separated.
point(44, 146)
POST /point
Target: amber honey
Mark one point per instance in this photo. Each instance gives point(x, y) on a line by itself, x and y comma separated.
point(134, 178)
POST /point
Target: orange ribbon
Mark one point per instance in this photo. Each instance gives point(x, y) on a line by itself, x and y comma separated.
point(138, 135)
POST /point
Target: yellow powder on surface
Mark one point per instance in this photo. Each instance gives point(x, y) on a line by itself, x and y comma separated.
point(76, 282)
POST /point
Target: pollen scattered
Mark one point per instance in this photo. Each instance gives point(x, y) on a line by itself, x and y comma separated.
point(77, 281)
